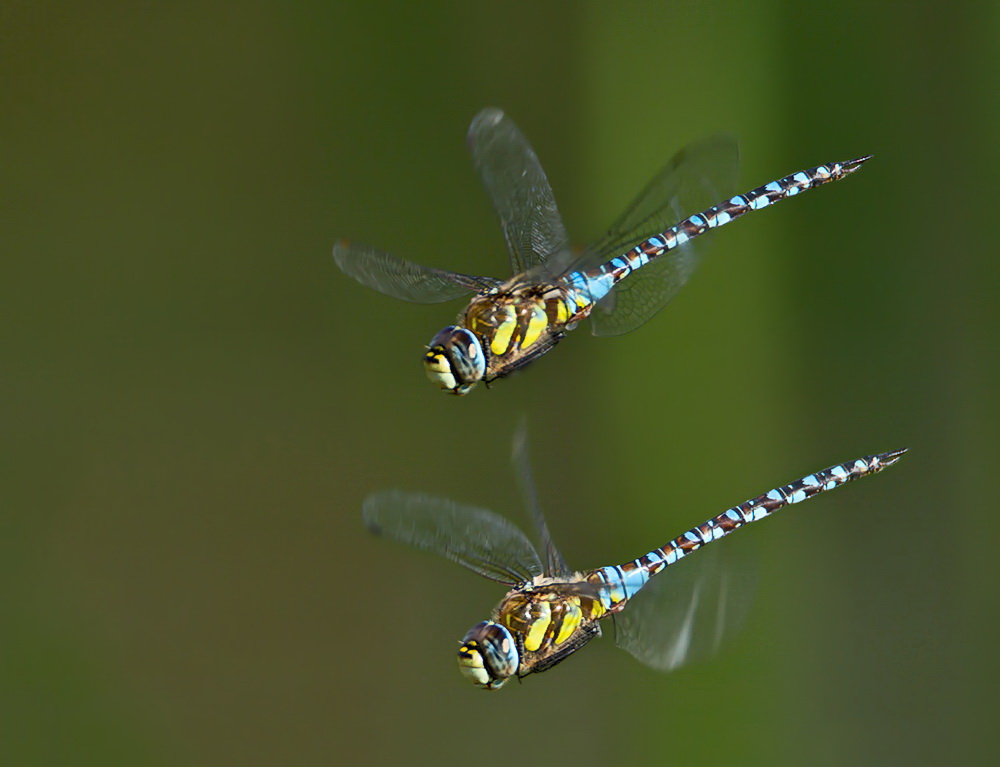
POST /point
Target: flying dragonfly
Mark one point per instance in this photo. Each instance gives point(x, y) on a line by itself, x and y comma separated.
point(619, 282)
point(551, 611)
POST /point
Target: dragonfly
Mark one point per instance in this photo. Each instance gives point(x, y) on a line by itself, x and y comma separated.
point(618, 283)
point(551, 611)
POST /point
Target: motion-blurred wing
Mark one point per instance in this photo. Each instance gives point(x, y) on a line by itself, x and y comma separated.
point(699, 176)
point(478, 539)
point(687, 612)
point(554, 563)
point(404, 279)
point(518, 189)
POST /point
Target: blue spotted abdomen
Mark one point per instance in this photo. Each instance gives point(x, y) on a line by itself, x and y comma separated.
point(598, 282)
point(616, 584)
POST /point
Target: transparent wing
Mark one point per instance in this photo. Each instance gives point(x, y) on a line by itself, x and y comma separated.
point(554, 562)
point(404, 279)
point(699, 176)
point(688, 611)
point(518, 189)
point(478, 539)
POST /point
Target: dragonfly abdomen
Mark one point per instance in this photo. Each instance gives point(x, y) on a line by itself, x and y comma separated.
point(617, 584)
point(600, 280)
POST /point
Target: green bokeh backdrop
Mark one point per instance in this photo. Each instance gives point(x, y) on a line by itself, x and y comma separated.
point(197, 401)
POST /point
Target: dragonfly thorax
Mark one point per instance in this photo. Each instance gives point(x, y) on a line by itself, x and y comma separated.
point(536, 626)
point(455, 360)
point(488, 656)
point(502, 330)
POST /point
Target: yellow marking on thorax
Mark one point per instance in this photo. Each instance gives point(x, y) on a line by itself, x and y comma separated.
point(572, 617)
point(528, 617)
point(505, 328)
point(548, 620)
point(536, 324)
point(597, 610)
point(563, 310)
point(535, 635)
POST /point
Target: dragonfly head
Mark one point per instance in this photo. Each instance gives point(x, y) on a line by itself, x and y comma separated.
point(488, 655)
point(455, 360)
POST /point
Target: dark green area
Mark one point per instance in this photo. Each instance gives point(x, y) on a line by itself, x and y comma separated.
point(197, 401)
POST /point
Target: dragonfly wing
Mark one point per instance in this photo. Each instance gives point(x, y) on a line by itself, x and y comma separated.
point(554, 563)
point(478, 539)
point(518, 189)
point(687, 612)
point(637, 299)
point(404, 279)
point(697, 177)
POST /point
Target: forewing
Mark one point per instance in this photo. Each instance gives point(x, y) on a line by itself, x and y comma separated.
point(404, 279)
point(518, 189)
point(688, 611)
point(555, 565)
point(478, 539)
point(699, 176)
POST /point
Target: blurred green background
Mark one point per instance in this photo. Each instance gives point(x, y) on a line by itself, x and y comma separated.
point(197, 400)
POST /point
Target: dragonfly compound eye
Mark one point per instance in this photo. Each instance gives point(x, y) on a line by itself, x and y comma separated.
point(488, 655)
point(455, 360)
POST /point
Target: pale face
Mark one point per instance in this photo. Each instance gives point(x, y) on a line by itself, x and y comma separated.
point(455, 360)
point(488, 655)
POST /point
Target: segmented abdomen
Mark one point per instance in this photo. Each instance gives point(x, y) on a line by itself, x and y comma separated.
point(599, 280)
point(619, 583)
